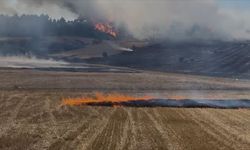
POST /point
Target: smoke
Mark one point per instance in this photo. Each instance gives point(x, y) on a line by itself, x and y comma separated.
point(116, 46)
point(167, 19)
point(29, 62)
point(6, 8)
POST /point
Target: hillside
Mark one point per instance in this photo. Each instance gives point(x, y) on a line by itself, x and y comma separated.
point(231, 59)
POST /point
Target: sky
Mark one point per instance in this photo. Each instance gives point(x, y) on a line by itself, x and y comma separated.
point(235, 4)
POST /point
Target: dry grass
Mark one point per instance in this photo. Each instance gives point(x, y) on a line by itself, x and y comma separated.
point(31, 116)
point(163, 84)
point(36, 121)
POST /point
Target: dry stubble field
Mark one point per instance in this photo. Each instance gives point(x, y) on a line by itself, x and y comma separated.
point(32, 117)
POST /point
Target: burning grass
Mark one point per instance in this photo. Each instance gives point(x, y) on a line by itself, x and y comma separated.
point(115, 99)
point(101, 98)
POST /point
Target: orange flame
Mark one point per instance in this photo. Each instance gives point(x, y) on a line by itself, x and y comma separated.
point(106, 28)
point(103, 98)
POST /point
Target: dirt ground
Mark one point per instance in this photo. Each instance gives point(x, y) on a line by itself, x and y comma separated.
point(32, 117)
point(139, 82)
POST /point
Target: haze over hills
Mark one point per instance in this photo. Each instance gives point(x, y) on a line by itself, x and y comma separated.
point(59, 41)
point(92, 28)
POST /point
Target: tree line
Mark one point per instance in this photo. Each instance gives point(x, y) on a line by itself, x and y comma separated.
point(43, 25)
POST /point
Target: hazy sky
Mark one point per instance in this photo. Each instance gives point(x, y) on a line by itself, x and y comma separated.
point(176, 19)
point(238, 5)
point(234, 4)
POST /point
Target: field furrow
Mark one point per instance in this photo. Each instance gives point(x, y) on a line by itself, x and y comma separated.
point(39, 121)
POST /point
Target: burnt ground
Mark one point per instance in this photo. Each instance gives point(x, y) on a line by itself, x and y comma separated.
point(224, 59)
point(32, 117)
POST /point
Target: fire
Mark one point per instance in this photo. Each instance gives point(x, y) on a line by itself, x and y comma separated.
point(113, 98)
point(106, 28)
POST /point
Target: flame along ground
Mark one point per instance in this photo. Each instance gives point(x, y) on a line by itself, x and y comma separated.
point(106, 28)
point(103, 98)
point(115, 99)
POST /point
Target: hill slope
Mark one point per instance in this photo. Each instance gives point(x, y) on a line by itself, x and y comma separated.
point(219, 59)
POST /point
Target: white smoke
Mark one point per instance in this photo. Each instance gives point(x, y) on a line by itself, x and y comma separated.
point(29, 62)
point(171, 19)
point(116, 46)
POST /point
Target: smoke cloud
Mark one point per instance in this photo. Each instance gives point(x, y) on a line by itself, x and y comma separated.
point(168, 19)
point(29, 62)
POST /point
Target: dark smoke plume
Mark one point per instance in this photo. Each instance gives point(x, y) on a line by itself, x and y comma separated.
point(167, 19)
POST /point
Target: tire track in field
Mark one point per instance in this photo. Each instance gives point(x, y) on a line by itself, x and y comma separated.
point(130, 131)
point(164, 132)
point(246, 112)
point(125, 133)
point(216, 120)
point(209, 127)
point(112, 135)
point(165, 121)
point(5, 102)
point(238, 117)
point(2, 97)
point(103, 112)
point(234, 117)
point(239, 124)
point(222, 119)
point(72, 132)
point(17, 109)
point(147, 136)
point(244, 115)
point(2, 100)
point(93, 130)
point(188, 134)
point(81, 133)
point(52, 119)
point(65, 139)
point(10, 122)
point(209, 141)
